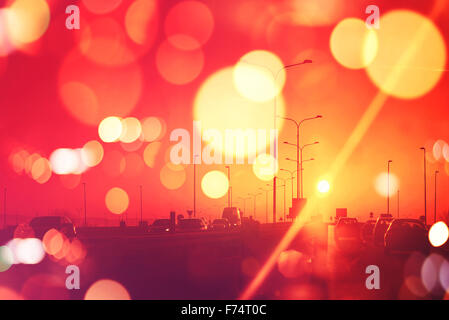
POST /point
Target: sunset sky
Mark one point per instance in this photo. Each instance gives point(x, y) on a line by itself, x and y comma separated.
point(168, 63)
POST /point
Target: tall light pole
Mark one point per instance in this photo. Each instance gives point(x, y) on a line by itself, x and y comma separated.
point(229, 188)
point(255, 196)
point(285, 182)
point(298, 149)
point(435, 206)
point(194, 185)
point(388, 186)
point(302, 169)
point(291, 177)
point(275, 128)
point(425, 185)
point(266, 202)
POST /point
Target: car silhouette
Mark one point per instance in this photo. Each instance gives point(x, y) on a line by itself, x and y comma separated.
point(406, 235)
point(380, 228)
point(233, 215)
point(191, 225)
point(366, 232)
point(41, 225)
point(219, 225)
point(347, 230)
point(160, 226)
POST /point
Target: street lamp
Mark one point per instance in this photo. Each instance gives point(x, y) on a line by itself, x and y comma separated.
point(388, 187)
point(266, 202)
point(194, 185)
point(302, 169)
point(285, 182)
point(229, 188)
point(298, 148)
point(275, 127)
point(244, 203)
point(255, 196)
point(425, 187)
point(435, 207)
point(301, 148)
point(291, 177)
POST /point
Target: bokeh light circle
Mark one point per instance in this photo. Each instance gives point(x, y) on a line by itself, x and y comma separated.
point(172, 179)
point(177, 66)
point(27, 20)
point(92, 153)
point(265, 167)
point(131, 130)
point(411, 55)
point(110, 129)
point(438, 234)
point(187, 21)
point(117, 200)
point(259, 75)
point(215, 184)
point(217, 103)
point(381, 184)
point(106, 289)
point(352, 44)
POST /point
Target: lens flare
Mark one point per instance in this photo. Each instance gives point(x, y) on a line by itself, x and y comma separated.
point(150, 153)
point(92, 153)
point(29, 251)
point(221, 108)
point(189, 25)
point(264, 167)
point(177, 66)
point(6, 258)
point(172, 179)
point(110, 129)
point(131, 130)
point(27, 20)
point(411, 56)
point(65, 161)
point(117, 200)
point(152, 128)
point(106, 289)
point(141, 21)
point(352, 44)
point(101, 6)
point(259, 75)
point(323, 186)
point(215, 184)
point(438, 234)
point(381, 184)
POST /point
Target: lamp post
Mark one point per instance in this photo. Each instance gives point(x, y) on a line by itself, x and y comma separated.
point(266, 202)
point(194, 185)
point(141, 206)
point(229, 188)
point(255, 196)
point(302, 169)
point(275, 128)
point(284, 181)
point(435, 206)
point(425, 185)
point(388, 187)
point(298, 149)
point(244, 202)
point(291, 177)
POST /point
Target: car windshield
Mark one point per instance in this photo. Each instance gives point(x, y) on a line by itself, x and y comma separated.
point(161, 222)
point(45, 221)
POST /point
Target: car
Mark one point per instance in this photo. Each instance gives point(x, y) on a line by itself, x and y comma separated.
point(366, 231)
point(191, 225)
point(233, 215)
point(41, 225)
point(406, 235)
point(380, 228)
point(220, 225)
point(160, 226)
point(347, 229)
